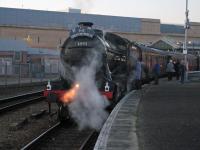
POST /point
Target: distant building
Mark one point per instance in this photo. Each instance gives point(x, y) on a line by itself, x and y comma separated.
point(49, 29)
point(170, 44)
point(16, 55)
point(44, 59)
point(73, 10)
point(166, 44)
point(11, 51)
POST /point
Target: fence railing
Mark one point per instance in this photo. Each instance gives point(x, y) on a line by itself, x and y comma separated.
point(27, 73)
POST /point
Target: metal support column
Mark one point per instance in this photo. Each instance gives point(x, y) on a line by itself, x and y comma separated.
point(187, 26)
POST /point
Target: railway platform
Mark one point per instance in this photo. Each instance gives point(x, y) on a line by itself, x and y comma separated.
point(158, 117)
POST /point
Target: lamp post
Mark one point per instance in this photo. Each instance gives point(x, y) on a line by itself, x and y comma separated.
point(187, 26)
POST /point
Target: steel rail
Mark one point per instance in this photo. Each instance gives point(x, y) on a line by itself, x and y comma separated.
point(87, 141)
point(20, 104)
point(37, 140)
point(19, 101)
point(20, 96)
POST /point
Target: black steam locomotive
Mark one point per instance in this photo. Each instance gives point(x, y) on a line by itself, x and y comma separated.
point(115, 59)
point(84, 45)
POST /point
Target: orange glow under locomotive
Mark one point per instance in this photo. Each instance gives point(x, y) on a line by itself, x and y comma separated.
point(69, 95)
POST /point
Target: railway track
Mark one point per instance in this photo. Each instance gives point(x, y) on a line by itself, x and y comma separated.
point(62, 136)
point(15, 102)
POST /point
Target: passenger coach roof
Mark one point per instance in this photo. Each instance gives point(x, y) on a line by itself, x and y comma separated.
point(148, 49)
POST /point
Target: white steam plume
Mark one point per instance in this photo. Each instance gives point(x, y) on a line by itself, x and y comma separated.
point(88, 108)
point(84, 5)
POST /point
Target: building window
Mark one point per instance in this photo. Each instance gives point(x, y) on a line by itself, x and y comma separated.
point(17, 56)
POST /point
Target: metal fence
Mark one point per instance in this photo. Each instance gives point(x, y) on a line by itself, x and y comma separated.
point(28, 73)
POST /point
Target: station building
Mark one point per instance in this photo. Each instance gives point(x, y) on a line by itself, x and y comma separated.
point(49, 29)
point(17, 58)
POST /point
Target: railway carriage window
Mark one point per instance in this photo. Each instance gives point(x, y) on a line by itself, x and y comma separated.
point(150, 60)
point(154, 59)
point(160, 59)
point(144, 58)
point(162, 62)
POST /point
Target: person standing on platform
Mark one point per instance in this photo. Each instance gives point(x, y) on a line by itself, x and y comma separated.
point(177, 69)
point(182, 71)
point(170, 70)
point(138, 73)
point(156, 72)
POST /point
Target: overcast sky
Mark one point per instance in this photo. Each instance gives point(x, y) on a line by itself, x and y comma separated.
point(169, 11)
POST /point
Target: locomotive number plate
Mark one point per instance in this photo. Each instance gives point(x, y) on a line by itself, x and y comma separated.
point(81, 44)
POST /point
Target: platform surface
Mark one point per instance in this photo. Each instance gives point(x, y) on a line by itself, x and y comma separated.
point(169, 117)
point(157, 117)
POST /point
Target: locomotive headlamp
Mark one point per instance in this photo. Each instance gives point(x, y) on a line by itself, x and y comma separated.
point(77, 85)
point(48, 86)
point(107, 87)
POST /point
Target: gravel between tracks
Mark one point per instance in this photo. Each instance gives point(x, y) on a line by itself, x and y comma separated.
point(15, 138)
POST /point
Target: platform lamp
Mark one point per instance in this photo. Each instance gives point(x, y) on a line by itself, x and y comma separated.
point(187, 26)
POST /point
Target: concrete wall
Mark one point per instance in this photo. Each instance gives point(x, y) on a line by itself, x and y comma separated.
point(36, 37)
point(150, 26)
point(194, 31)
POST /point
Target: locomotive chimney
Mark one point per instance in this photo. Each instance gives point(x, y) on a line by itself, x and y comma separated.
point(85, 24)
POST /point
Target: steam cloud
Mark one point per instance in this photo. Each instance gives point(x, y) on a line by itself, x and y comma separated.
point(85, 5)
point(88, 108)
